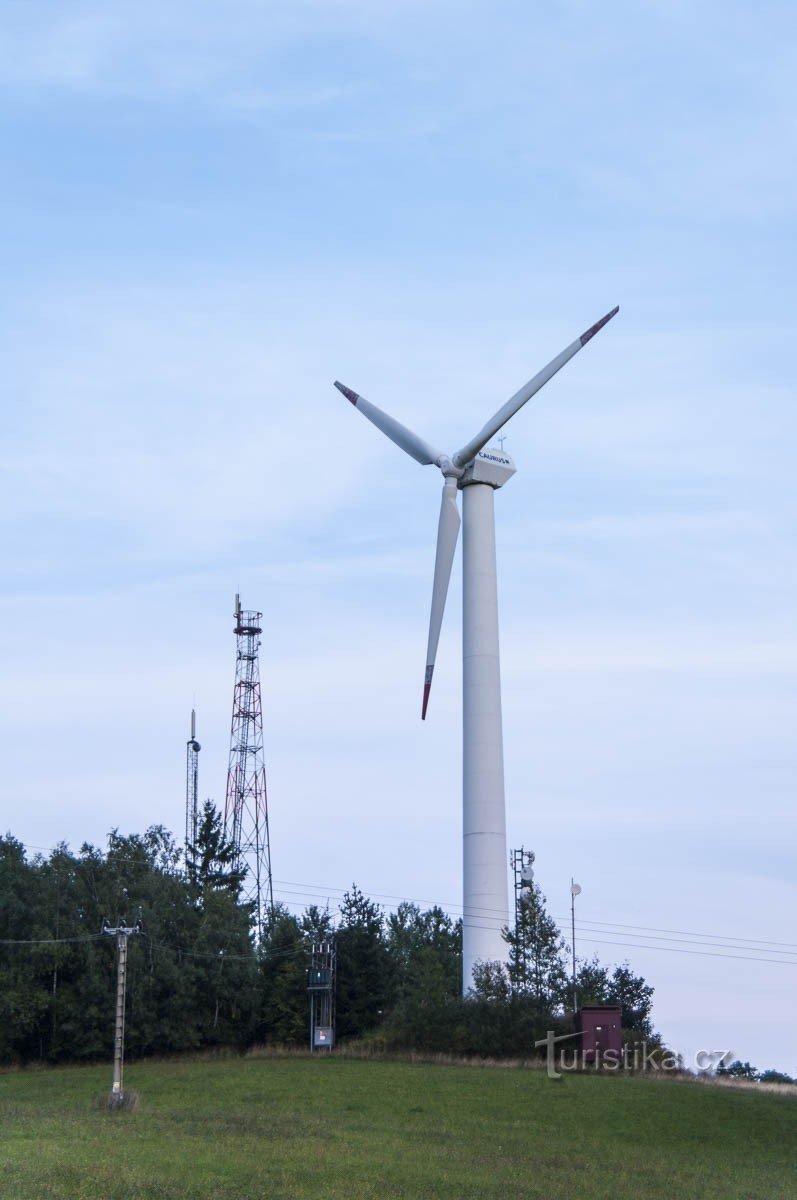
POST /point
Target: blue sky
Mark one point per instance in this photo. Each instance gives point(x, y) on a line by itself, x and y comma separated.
point(211, 212)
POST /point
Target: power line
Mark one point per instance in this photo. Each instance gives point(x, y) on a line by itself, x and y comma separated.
point(690, 942)
point(47, 941)
point(301, 952)
point(213, 954)
point(688, 933)
point(784, 962)
point(313, 893)
point(599, 926)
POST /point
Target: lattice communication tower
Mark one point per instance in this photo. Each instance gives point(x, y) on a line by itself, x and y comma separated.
point(522, 864)
point(246, 806)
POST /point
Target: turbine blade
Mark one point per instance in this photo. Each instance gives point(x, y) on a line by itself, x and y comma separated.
point(447, 534)
point(415, 446)
point(472, 448)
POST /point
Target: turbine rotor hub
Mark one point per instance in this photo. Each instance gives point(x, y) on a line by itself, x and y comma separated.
point(448, 469)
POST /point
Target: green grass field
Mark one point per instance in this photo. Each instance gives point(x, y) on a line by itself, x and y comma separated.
point(235, 1129)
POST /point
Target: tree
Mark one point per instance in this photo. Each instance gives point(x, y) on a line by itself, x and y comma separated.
point(211, 859)
point(24, 991)
point(634, 997)
point(140, 882)
point(772, 1076)
point(82, 979)
point(284, 957)
point(537, 966)
point(425, 958)
point(415, 940)
point(491, 982)
point(227, 998)
point(498, 1020)
point(592, 982)
point(362, 965)
point(738, 1070)
point(195, 978)
point(317, 924)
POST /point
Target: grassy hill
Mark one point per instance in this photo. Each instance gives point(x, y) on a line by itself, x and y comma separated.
point(236, 1129)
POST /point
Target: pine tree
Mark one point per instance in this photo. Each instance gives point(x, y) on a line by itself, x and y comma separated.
point(363, 965)
point(284, 958)
point(210, 860)
point(317, 924)
point(537, 966)
point(423, 946)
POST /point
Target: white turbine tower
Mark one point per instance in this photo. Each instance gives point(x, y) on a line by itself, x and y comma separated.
point(477, 471)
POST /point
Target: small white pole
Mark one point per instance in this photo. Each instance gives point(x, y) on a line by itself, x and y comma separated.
point(575, 890)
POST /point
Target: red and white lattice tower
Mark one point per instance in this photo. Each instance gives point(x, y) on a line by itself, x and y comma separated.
point(246, 807)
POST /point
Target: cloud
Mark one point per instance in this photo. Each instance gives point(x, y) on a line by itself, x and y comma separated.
point(138, 48)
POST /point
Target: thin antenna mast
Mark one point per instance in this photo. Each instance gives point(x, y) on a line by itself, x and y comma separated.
point(192, 749)
point(575, 890)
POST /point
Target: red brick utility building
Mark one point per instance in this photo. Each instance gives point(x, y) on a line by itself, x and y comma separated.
point(601, 1030)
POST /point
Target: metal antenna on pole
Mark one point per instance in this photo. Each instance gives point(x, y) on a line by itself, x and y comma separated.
point(192, 749)
point(522, 863)
point(121, 933)
point(575, 890)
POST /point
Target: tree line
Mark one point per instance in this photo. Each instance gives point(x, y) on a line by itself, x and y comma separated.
point(198, 978)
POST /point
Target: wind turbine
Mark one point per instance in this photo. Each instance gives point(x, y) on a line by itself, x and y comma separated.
point(477, 470)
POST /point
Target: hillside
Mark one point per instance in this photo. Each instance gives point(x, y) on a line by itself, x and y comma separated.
point(298, 1127)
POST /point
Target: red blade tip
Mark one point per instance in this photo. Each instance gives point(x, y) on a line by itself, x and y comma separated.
point(427, 687)
point(593, 329)
point(351, 396)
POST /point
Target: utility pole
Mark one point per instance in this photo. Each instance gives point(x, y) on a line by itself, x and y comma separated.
point(121, 933)
point(575, 890)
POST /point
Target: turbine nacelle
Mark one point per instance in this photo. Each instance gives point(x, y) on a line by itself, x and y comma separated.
point(491, 465)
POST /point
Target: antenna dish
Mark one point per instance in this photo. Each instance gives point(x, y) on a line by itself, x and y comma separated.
point(575, 889)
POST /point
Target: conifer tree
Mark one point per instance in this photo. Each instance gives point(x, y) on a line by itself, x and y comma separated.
point(210, 860)
point(537, 965)
point(284, 958)
point(363, 965)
